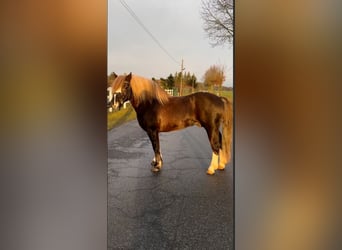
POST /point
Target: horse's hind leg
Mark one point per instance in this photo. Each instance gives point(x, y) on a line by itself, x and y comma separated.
point(222, 156)
point(222, 161)
point(213, 164)
point(214, 138)
point(157, 161)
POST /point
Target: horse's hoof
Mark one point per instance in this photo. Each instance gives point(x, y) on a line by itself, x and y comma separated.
point(155, 169)
point(210, 172)
point(221, 168)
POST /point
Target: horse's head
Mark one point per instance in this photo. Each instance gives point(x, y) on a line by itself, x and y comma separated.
point(110, 95)
point(123, 93)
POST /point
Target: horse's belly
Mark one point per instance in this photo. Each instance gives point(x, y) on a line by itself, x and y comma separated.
point(176, 125)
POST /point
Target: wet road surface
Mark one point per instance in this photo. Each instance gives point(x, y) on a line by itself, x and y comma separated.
point(179, 208)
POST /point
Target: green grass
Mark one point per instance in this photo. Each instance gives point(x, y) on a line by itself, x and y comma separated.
point(225, 93)
point(117, 118)
point(228, 94)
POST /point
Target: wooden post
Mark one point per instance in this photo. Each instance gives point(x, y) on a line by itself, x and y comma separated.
point(181, 80)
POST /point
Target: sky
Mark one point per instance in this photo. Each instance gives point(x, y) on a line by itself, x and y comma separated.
point(178, 27)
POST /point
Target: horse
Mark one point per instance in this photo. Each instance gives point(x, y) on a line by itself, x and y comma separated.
point(159, 112)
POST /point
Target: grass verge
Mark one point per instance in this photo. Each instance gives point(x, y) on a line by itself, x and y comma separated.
point(117, 118)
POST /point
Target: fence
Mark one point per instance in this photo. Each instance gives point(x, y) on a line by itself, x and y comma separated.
point(169, 91)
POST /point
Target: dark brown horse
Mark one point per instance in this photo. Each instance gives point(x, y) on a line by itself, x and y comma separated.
point(159, 112)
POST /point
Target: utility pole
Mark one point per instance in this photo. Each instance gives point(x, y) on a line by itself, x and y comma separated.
point(181, 80)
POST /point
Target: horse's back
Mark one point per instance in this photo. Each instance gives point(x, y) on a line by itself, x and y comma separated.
point(200, 108)
point(208, 102)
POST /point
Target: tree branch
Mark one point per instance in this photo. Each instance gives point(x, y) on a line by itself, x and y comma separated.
point(218, 20)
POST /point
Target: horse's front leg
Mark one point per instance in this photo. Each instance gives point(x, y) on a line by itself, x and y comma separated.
point(157, 161)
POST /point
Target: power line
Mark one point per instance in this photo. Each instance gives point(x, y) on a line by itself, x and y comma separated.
point(136, 18)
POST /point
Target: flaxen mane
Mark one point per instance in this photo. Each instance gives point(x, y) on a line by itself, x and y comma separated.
point(144, 90)
point(117, 83)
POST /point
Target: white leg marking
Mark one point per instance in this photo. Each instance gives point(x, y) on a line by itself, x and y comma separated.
point(222, 162)
point(213, 165)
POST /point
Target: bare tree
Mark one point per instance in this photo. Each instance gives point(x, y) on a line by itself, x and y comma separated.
point(214, 76)
point(218, 20)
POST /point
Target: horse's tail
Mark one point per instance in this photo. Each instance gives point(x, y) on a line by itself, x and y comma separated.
point(227, 130)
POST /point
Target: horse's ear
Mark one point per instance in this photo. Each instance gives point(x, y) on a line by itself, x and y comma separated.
point(115, 75)
point(129, 77)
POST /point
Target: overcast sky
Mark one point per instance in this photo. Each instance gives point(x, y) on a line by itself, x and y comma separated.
point(177, 26)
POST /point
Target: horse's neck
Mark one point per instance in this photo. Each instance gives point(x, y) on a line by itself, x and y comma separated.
point(133, 103)
point(144, 107)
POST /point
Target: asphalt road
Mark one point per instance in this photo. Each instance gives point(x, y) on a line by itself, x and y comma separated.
point(179, 208)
